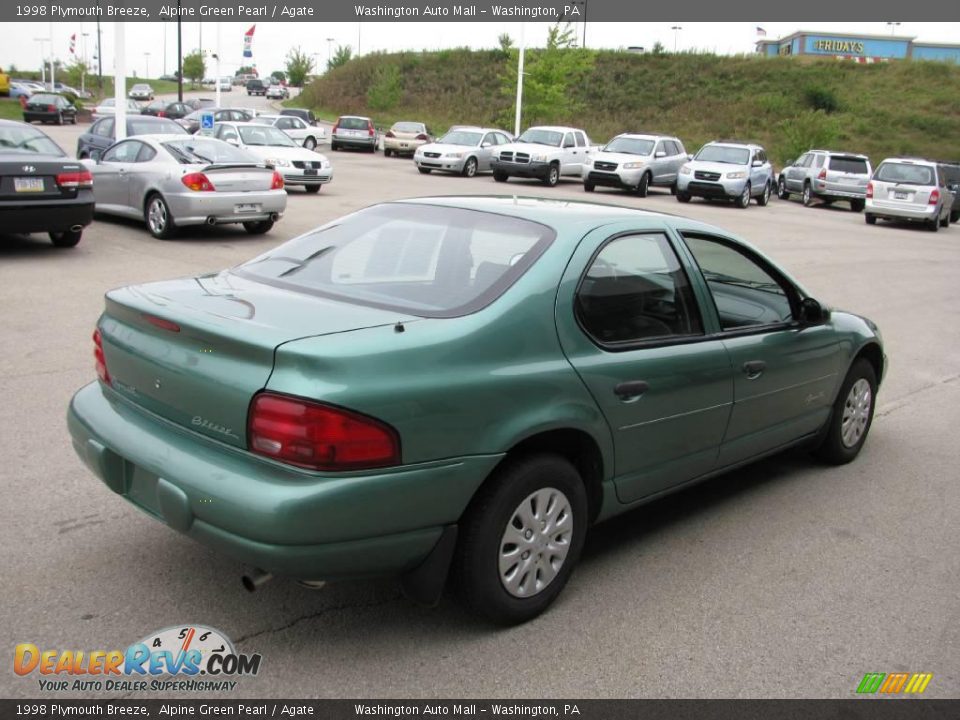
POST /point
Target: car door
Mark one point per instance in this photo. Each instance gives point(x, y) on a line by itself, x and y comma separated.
point(759, 172)
point(677, 160)
point(570, 161)
point(659, 163)
point(295, 128)
point(110, 183)
point(794, 175)
point(785, 372)
point(101, 136)
point(140, 175)
point(631, 327)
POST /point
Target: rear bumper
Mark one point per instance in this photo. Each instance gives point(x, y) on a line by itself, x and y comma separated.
point(402, 146)
point(33, 116)
point(283, 520)
point(46, 215)
point(840, 192)
point(902, 212)
point(196, 208)
point(354, 141)
point(538, 170)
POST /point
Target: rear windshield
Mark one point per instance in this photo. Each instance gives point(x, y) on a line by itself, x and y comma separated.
point(409, 127)
point(51, 99)
point(159, 126)
point(353, 123)
point(202, 150)
point(25, 139)
point(849, 165)
point(425, 260)
point(630, 146)
point(905, 173)
point(264, 136)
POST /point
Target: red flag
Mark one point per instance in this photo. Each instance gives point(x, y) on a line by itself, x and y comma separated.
point(248, 42)
point(73, 44)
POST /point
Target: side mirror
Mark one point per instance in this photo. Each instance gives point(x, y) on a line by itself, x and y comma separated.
point(487, 144)
point(757, 163)
point(232, 140)
point(89, 163)
point(812, 312)
point(96, 156)
point(659, 154)
point(689, 157)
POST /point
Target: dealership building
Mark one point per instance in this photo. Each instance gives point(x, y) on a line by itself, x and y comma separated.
point(860, 48)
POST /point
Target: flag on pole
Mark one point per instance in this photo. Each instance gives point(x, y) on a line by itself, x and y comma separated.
point(248, 42)
point(73, 44)
point(761, 32)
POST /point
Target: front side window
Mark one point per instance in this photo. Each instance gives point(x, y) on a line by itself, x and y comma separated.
point(103, 128)
point(427, 260)
point(125, 152)
point(634, 291)
point(745, 294)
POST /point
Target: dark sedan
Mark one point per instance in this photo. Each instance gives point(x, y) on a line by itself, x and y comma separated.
point(192, 121)
point(41, 189)
point(200, 103)
point(102, 134)
point(167, 109)
point(48, 107)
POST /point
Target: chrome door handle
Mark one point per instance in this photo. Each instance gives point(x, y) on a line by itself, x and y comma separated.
point(754, 369)
point(631, 390)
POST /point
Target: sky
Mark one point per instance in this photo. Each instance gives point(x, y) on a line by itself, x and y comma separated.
point(145, 41)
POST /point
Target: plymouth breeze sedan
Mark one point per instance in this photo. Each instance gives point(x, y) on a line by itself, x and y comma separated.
point(459, 388)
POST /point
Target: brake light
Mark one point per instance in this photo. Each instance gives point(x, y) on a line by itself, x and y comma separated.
point(319, 437)
point(389, 134)
point(51, 108)
point(421, 136)
point(822, 175)
point(335, 126)
point(870, 190)
point(277, 183)
point(934, 197)
point(198, 182)
point(100, 360)
point(161, 113)
point(370, 128)
point(75, 180)
point(161, 323)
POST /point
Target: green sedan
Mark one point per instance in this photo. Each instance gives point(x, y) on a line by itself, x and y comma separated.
point(457, 388)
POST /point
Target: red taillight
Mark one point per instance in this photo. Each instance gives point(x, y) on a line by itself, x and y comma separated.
point(869, 189)
point(51, 108)
point(75, 180)
point(370, 129)
point(277, 183)
point(319, 437)
point(99, 359)
point(161, 113)
point(335, 126)
point(198, 182)
point(822, 175)
point(421, 136)
point(934, 197)
point(161, 323)
point(389, 134)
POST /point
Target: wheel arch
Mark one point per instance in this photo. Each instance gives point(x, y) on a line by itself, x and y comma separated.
point(873, 354)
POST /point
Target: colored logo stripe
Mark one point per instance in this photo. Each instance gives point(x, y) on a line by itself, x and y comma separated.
point(918, 683)
point(893, 683)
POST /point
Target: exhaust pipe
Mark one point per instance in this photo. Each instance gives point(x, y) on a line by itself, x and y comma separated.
point(76, 228)
point(312, 584)
point(274, 217)
point(211, 220)
point(255, 578)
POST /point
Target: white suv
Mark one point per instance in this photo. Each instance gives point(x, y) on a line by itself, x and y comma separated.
point(727, 170)
point(911, 189)
point(634, 162)
point(545, 153)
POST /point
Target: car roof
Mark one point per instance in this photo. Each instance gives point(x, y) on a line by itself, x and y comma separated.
point(358, 117)
point(736, 143)
point(555, 128)
point(910, 160)
point(839, 152)
point(647, 136)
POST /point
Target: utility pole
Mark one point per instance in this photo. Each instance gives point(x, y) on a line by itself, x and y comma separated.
point(676, 30)
point(523, 46)
point(99, 53)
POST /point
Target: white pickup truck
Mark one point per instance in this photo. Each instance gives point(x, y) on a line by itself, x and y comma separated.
point(545, 152)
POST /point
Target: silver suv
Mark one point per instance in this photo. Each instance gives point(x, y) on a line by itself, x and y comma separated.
point(634, 162)
point(727, 170)
point(827, 175)
point(912, 189)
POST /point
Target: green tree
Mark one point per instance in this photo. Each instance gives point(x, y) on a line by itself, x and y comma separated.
point(386, 90)
point(194, 67)
point(341, 57)
point(506, 44)
point(246, 70)
point(299, 65)
point(658, 49)
point(278, 75)
point(75, 72)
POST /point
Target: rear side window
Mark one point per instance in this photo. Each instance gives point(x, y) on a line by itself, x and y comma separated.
point(906, 173)
point(849, 165)
point(427, 260)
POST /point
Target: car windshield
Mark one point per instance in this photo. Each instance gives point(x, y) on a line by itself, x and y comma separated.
point(408, 127)
point(724, 154)
point(159, 125)
point(459, 137)
point(541, 137)
point(262, 135)
point(427, 260)
point(906, 173)
point(41, 98)
point(630, 146)
point(25, 139)
point(141, 87)
point(353, 123)
point(197, 150)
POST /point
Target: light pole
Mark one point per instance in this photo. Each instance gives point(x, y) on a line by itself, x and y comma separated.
point(43, 61)
point(893, 27)
point(146, 74)
point(523, 47)
point(164, 46)
point(83, 50)
point(329, 51)
point(676, 30)
point(166, 17)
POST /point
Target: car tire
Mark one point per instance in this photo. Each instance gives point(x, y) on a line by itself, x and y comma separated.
point(424, 171)
point(851, 417)
point(310, 143)
point(66, 239)
point(643, 187)
point(469, 167)
point(59, 118)
point(334, 146)
point(589, 187)
point(945, 221)
point(673, 188)
point(386, 153)
point(312, 189)
point(782, 191)
point(500, 176)
point(258, 227)
point(807, 195)
point(158, 218)
point(523, 498)
point(743, 201)
point(764, 197)
point(683, 197)
point(870, 219)
point(933, 225)
point(552, 177)
point(955, 217)
point(857, 205)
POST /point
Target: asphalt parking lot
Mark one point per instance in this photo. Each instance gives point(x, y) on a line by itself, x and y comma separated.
point(787, 579)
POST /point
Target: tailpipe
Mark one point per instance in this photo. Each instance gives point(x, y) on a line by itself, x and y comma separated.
point(76, 228)
point(255, 578)
point(274, 217)
point(211, 220)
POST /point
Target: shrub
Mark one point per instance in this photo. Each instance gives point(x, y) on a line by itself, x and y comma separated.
point(810, 129)
point(821, 98)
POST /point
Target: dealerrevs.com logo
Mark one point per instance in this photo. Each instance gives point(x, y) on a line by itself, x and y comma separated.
point(191, 658)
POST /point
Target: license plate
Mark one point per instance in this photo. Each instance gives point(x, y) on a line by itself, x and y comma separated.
point(901, 196)
point(310, 171)
point(246, 208)
point(28, 184)
point(404, 146)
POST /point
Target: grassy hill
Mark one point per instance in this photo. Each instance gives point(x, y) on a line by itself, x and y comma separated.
point(788, 104)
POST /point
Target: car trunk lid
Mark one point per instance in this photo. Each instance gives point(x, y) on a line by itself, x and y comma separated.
point(36, 178)
point(238, 177)
point(195, 351)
